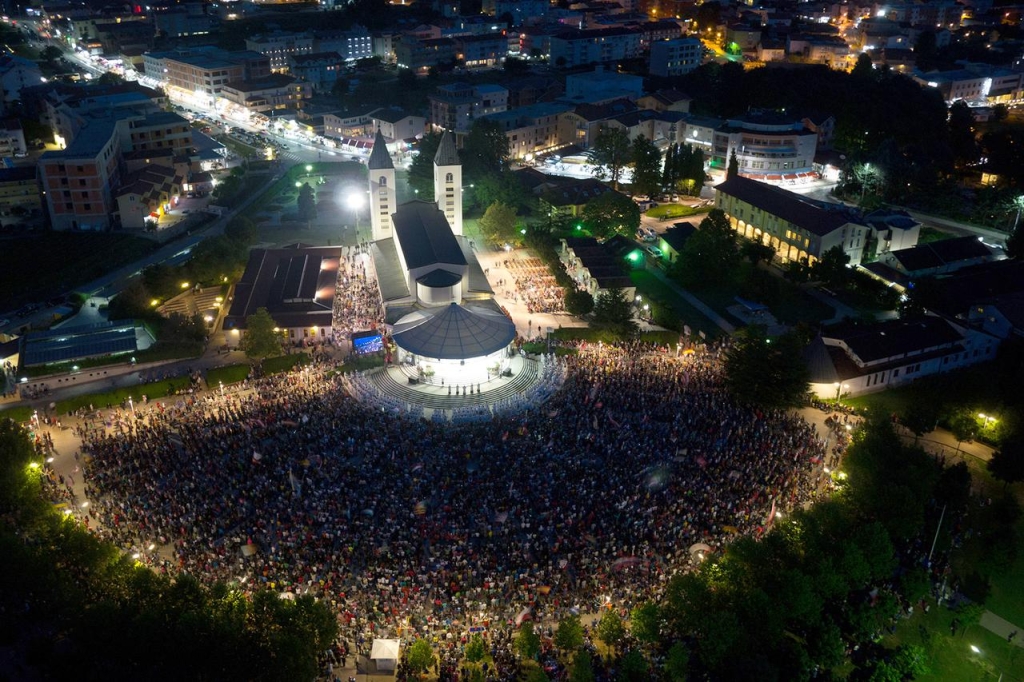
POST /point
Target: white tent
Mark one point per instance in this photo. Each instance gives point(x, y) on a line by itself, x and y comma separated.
point(384, 653)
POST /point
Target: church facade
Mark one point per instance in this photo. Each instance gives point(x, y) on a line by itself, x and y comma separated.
point(436, 298)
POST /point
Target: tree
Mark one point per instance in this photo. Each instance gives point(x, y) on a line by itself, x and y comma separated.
point(476, 649)
point(421, 170)
point(582, 667)
point(767, 372)
point(677, 662)
point(1015, 242)
point(925, 50)
point(242, 231)
point(52, 53)
point(646, 167)
point(920, 417)
point(633, 667)
point(569, 635)
point(962, 139)
point(757, 252)
point(110, 78)
point(613, 312)
point(420, 656)
point(964, 426)
point(611, 213)
point(831, 268)
point(1007, 463)
point(863, 69)
point(734, 166)
point(527, 642)
point(485, 150)
point(579, 303)
point(498, 223)
point(261, 339)
point(610, 153)
point(645, 622)
point(710, 255)
point(610, 629)
point(307, 203)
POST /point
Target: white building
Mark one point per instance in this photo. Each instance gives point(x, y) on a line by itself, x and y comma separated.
point(676, 57)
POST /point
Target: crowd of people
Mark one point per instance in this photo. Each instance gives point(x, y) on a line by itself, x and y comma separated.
point(360, 308)
point(532, 285)
point(417, 527)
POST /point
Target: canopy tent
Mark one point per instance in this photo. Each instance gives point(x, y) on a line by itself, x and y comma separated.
point(454, 332)
point(385, 652)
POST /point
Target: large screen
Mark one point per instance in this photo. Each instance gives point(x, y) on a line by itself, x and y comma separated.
point(367, 342)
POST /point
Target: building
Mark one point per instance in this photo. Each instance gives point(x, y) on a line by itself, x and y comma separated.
point(421, 54)
point(272, 95)
point(595, 267)
point(77, 181)
point(201, 76)
point(279, 46)
point(12, 138)
point(395, 124)
point(522, 11)
point(674, 239)
point(19, 190)
point(146, 195)
point(455, 106)
point(935, 258)
point(533, 129)
point(582, 125)
point(296, 285)
point(319, 69)
point(444, 321)
point(665, 100)
point(568, 197)
point(854, 360)
point(769, 146)
point(485, 51)
point(351, 45)
point(181, 22)
point(602, 85)
point(675, 57)
point(17, 73)
point(798, 228)
point(581, 47)
point(976, 84)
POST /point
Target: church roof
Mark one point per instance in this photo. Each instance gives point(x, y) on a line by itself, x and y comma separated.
point(438, 279)
point(454, 332)
point(446, 154)
point(424, 235)
point(379, 159)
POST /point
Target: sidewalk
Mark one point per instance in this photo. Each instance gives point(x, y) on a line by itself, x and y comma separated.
point(1003, 628)
point(722, 323)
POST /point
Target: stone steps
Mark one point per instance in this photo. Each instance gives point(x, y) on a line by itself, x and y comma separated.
point(515, 385)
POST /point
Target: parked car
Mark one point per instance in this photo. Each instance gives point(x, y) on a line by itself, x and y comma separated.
point(654, 251)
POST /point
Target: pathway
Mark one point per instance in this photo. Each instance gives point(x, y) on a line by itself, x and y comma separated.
point(1002, 627)
point(722, 323)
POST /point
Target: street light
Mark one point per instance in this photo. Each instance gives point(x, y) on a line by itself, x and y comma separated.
point(839, 389)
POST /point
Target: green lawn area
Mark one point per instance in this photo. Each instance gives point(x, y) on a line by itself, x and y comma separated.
point(951, 658)
point(669, 211)
point(19, 413)
point(658, 292)
point(972, 386)
point(285, 363)
point(930, 234)
point(228, 374)
point(1007, 597)
point(154, 390)
point(71, 259)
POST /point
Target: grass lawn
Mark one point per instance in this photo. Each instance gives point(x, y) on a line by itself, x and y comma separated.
point(658, 292)
point(669, 211)
point(71, 259)
point(971, 386)
point(930, 234)
point(1007, 597)
point(951, 658)
point(154, 390)
point(285, 363)
point(361, 363)
point(19, 413)
point(228, 374)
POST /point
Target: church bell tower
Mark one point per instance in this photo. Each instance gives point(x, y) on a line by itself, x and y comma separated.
point(383, 197)
point(448, 182)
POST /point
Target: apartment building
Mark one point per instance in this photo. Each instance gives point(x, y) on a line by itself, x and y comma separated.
point(77, 181)
point(19, 190)
point(976, 83)
point(319, 69)
point(279, 46)
point(455, 106)
point(272, 95)
point(675, 57)
point(532, 129)
point(602, 85)
point(580, 47)
point(421, 54)
point(485, 51)
point(351, 45)
point(395, 124)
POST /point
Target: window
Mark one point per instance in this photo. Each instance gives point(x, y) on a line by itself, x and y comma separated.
point(383, 182)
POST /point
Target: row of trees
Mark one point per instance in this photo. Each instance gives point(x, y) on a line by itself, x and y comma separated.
point(78, 606)
point(680, 170)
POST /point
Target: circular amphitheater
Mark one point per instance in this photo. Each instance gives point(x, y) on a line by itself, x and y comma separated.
point(394, 389)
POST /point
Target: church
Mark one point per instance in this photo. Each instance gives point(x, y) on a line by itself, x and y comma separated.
point(436, 298)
